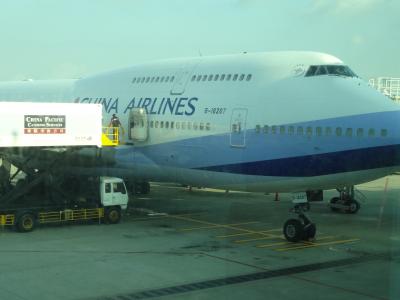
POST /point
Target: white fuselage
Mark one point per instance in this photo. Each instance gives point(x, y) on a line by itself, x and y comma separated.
point(268, 128)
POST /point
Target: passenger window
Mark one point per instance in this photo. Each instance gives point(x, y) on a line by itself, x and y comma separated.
point(156, 124)
point(371, 132)
point(222, 77)
point(241, 77)
point(183, 125)
point(134, 80)
point(198, 77)
point(162, 79)
point(309, 131)
point(143, 79)
point(360, 132)
point(328, 131)
point(216, 77)
point(235, 77)
point(172, 124)
point(152, 79)
point(248, 78)
point(107, 188)
point(195, 127)
point(266, 129)
point(172, 78)
point(162, 124)
point(234, 128)
point(201, 127)
point(204, 77)
point(193, 77)
point(178, 125)
point(273, 129)
point(384, 132)
point(282, 129)
point(210, 77)
point(291, 130)
point(228, 77)
point(318, 131)
point(258, 128)
point(189, 125)
point(349, 132)
point(166, 124)
point(151, 124)
point(208, 126)
point(147, 79)
point(299, 130)
point(158, 79)
point(167, 79)
point(338, 131)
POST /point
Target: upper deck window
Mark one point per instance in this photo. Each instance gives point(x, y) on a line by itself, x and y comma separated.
point(336, 70)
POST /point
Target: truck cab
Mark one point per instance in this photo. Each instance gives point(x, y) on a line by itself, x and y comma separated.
point(113, 197)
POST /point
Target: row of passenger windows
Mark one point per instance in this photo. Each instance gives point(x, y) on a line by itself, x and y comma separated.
point(211, 77)
point(153, 79)
point(222, 77)
point(177, 125)
point(320, 131)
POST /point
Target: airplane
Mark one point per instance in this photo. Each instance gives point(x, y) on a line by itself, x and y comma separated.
point(290, 121)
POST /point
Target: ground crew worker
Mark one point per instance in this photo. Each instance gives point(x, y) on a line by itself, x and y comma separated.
point(115, 123)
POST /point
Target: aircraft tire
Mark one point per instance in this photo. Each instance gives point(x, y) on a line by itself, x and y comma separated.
point(112, 215)
point(293, 230)
point(354, 206)
point(26, 222)
point(334, 200)
point(309, 231)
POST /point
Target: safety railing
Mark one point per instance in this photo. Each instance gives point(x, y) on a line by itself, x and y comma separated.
point(7, 220)
point(110, 136)
point(71, 215)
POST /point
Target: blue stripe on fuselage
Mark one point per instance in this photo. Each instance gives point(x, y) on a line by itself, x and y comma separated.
point(284, 154)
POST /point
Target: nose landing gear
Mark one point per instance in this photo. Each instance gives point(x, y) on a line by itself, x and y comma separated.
point(300, 228)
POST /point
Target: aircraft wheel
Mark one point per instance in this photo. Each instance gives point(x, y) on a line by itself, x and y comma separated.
point(309, 231)
point(26, 222)
point(354, 206)
point(334, 201)
point(293, 230)
point(113, 215)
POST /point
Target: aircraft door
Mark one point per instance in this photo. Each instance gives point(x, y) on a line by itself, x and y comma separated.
point(182, 77)
point(238, 127)
point(138, 125)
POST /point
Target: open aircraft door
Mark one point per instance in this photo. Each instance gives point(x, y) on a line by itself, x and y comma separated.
point(138, 129)
point(238, 127)
point(182, 77)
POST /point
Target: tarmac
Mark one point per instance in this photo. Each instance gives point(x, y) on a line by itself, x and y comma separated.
point(176, 243)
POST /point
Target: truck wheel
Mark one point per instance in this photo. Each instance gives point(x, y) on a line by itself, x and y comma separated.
point(113, 215)
point(26, 222)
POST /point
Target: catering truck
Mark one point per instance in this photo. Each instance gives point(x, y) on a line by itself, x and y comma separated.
point(45, 200)
point(37, 142)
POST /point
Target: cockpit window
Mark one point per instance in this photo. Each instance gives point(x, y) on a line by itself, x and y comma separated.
point(336, 70)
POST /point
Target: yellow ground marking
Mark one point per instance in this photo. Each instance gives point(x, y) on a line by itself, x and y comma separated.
point(317, 245)
point(258, 239)
point(247, 233)
point(217, 226)
point(161, 217)
point(286, 243)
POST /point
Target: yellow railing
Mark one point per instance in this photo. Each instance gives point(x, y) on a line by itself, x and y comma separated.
point(110, 136)
point(71, 215)
point(7, 220)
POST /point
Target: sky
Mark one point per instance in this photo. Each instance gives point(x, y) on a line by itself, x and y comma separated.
point(52, 39)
